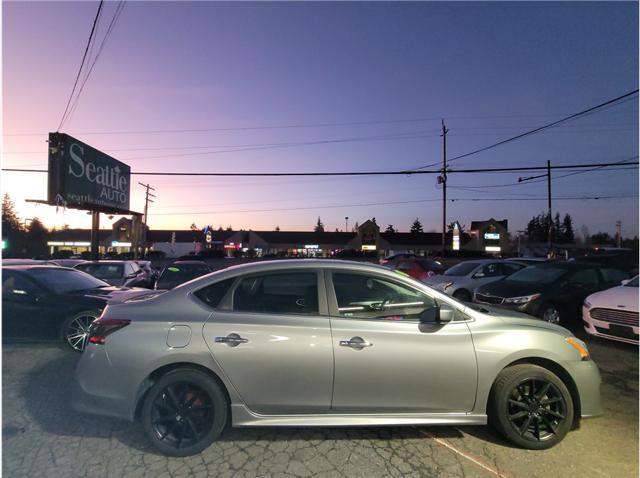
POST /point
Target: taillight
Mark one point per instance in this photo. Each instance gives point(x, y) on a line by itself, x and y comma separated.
point(102, 327)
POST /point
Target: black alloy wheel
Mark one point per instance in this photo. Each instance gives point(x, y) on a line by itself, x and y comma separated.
point(531, 406)
point(536, 409)
point(184, 412)
point(551, 313)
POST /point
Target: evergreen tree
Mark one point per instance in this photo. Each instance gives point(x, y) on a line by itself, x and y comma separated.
point(229, 228)
point(416, 227)
point(556, 234)
point(568, 236)
point(277, 229)
point(37, 236)
point(390, 228)
point(319, 227)
point(12, 229)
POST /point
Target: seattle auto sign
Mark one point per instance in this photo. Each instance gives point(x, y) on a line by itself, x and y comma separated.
point(82, 177)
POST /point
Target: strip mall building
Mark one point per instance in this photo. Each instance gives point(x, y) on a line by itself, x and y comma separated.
point(484, 236)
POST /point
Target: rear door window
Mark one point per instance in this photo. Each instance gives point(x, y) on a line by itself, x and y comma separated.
point(213, 294)
point(278, 293)
point(584, 277)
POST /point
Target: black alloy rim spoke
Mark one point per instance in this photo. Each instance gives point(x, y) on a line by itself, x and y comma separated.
point(176, 420)
point(536, 409)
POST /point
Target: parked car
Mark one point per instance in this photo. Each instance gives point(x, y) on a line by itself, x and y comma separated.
point(553, 291)
point(613, 313)
point(396, 257)
point(51, 302)
point(530, 261)
point(462, 279)
point(151, 273)
point(26, 262)
point(329, 343)
point(67, 262)
point(624, 259)
point(180, 272)
point(120, 273)
point(417, 267)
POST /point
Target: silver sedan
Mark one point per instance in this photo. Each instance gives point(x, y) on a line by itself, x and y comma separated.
point(329, 343)
point(462, 279)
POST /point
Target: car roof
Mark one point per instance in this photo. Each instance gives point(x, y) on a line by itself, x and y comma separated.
point(107, 261)
point(190, 262)
point(26, 267)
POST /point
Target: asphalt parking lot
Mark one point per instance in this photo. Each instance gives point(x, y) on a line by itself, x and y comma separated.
point(42, 436)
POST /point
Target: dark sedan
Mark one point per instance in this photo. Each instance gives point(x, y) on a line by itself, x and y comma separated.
point(180, 272)
point(552, 291)
point(49, 302)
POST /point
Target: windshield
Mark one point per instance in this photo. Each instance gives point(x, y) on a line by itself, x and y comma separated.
point(541, 275)
point(103, 271)
point(461, 269)
point(65, 280)
point(633, 282)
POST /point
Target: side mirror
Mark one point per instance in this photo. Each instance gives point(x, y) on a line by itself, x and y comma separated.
point(438, 315)
point(625, 282)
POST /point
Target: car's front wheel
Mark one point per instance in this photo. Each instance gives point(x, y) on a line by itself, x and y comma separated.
point(551, 313)
point(184, 412)
point(462, 295)
point(531, 407)
point(75, 330)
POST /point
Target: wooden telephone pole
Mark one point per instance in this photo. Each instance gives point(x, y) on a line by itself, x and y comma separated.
point(442, 179)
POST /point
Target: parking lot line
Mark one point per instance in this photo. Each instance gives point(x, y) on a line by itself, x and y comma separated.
point(463, 454)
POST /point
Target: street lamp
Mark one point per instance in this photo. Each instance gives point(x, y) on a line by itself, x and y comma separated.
point(346, 224)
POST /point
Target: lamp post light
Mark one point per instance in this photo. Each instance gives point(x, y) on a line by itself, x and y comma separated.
point(346, 224)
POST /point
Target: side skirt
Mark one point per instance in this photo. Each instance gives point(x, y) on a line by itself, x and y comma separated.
point(243, 417)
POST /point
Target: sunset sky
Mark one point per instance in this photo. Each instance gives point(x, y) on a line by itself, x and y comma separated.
point(491, 70)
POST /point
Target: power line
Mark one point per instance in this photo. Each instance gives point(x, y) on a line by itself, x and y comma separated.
point(84, 56)
point(541, 128)
point(614, 167)
point(352, 173)
point(114, 19)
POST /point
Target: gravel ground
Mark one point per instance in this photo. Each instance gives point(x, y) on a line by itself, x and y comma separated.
point(42, 436)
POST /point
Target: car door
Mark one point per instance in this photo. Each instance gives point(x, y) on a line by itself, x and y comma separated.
point(386, 360)
point(581, 284)
point(271, 336)
point(28, 310)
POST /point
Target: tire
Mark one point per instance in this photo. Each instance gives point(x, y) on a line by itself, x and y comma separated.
point(75, 330)
point(551, 313)
point(527, 415)
point(184, 412)
point(462, 295)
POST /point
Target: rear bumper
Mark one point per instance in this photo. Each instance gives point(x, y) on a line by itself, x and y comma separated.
point(586, 376)
point(94, 391)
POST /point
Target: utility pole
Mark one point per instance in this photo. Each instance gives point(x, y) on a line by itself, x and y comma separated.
point(146, 199)
point(442, 179)
point(146, 210)
point(548, 176)
point(346, 224)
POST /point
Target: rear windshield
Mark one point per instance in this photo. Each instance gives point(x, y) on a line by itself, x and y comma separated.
point(461, 269)
point(103, 271)
point(542, 275)
point(66, 280)
point(177, 274)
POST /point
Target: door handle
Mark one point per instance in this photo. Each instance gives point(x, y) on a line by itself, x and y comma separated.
point(232, 340)
point(356, 343)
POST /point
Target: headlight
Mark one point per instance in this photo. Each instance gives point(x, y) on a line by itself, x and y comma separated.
point(587, 304)
point(447, 285)
point(521, 300)
point(580, 346)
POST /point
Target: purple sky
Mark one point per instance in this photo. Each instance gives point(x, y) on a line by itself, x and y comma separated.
point(492, 70)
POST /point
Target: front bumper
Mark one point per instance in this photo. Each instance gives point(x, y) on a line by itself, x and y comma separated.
point(586, 376)
point(600, 328)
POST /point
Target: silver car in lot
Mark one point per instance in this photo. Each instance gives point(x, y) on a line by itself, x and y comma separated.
point(329, 343)
point(462, 279)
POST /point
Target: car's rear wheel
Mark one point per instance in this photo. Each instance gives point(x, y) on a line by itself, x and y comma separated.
point(184, 412)
point(462, 295)
point(531, 407)
point(75, 330)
